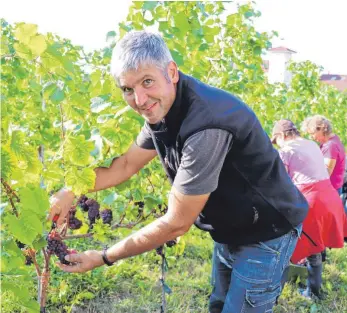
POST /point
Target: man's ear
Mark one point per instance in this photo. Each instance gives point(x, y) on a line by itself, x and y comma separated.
point(173, 72)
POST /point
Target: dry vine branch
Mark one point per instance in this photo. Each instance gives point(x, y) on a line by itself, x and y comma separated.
point(10, 193)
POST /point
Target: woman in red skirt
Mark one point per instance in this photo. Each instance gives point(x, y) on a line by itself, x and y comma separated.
point(325, 224)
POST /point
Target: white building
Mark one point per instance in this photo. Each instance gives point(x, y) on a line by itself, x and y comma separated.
point(276, 64)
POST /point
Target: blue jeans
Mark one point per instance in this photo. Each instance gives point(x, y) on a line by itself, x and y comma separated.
point(343, 198)
point(248, 279)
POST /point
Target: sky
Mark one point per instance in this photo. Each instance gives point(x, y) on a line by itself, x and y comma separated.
point(315, 29)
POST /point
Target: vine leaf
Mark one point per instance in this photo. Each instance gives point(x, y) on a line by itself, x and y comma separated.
point(7, 162)
point(25, 228)
point(36, 200)
point(80, 180)
point(24, 32)
point(26, 154)
point(37, 44)
point(77, 150)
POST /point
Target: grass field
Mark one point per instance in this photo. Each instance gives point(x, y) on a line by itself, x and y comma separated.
point(137, 290)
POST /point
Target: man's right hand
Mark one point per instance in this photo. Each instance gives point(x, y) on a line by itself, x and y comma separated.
point(61, 203)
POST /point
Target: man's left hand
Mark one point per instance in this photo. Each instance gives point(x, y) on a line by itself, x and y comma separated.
point(82, 262)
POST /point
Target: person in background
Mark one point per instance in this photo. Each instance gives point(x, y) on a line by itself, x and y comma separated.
point(344, 191)
point(320, 130)
point(226, 176)
point(326, 224)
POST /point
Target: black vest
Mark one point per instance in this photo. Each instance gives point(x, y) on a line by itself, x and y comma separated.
point(255, 199)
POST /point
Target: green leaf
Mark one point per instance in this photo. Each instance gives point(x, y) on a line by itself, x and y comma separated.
point(149, 5)
point(24, 32)
point(10, 247)
point(314, 308)
point(178, 58)
point(48, 90)
point(80, 181)
point(136, 194)
point(86, 295)
point(53, 173)
point(57, 96)
point(39, 243)
point(257, 50)
point(68, 65)
point(35, 199)
point(151, 201)
point(203, 47)
point(31, 305)
point(110, 36)
point(24, 152)
point(23, 51)
point(111, 198)
point(21, 228)
point(21, 293)
point(77, 150)
point(37, 44)
point(249, 14)
point(181, 21)
point(7, 162)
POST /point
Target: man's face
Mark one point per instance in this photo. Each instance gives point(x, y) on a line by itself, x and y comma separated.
point(149, 92)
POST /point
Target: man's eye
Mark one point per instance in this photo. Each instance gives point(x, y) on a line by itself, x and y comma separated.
point(127, 90)
point(148, 82)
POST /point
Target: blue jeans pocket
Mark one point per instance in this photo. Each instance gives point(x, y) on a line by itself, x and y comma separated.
point(260, 297)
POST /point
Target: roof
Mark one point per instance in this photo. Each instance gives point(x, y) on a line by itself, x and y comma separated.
point(336, 80)
point(282, 49)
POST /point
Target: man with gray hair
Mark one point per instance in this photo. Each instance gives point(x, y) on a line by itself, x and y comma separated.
point(226, 178)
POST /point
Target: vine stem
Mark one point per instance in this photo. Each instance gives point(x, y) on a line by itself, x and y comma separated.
point(8, 187)
point(114, 226)
point(150, 183)
point(32, 254)
point(10, 193)
point(43, 281)
point(162, 281)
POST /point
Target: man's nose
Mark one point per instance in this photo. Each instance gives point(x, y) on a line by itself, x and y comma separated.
point(140, 97)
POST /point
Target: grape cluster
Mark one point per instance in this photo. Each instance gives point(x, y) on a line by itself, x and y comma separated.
point(140, 205)
point(160, 250)
point(93, 210)
point(82, 203)
point(57, 246)
point(171, 243)
point(106, 216)
point(28, 260)
point(74, 222)
point(20, 245)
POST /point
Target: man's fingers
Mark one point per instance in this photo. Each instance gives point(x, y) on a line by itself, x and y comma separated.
point(74, 268)
point(51, 214)
point(61, 220)
point(74, 257)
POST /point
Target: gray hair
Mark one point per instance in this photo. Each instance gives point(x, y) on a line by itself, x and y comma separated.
point(316, 123)
point(138, 48)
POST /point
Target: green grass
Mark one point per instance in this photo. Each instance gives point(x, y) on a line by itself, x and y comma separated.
point(137, 289)
point(132, 286)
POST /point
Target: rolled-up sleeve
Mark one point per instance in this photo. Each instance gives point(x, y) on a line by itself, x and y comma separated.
point(203, 156)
